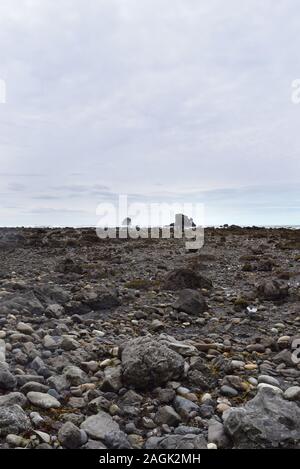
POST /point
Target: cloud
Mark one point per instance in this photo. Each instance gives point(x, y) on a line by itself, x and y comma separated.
point(116, 97)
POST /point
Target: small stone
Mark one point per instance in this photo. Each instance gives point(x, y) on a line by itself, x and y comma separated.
point(7, 379)
point(24, 328)
point(250, 366)
point(45, 437)
point(217, 435)
point(17, 441)
point(13, 398)
point(167, 415)
point(211, 446)
point(148, 423)
point(70, 436)
point(228, 391)
point(270, 386)
point(42, 400)
point(293, 393)
point(222, 407)
point(97, 426)
point(185, 407)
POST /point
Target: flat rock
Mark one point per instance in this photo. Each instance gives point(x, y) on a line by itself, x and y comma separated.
point(42, 400)
point(97, 426)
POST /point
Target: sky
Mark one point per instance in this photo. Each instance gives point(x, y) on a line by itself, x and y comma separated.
point(162, 100)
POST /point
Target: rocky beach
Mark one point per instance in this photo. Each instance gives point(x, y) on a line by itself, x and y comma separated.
point(124, 344)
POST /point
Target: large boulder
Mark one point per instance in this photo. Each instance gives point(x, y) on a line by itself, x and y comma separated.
point(147, 363)
point(273, 290)
point(267, 421)
point(190, 302)
point(185, 278)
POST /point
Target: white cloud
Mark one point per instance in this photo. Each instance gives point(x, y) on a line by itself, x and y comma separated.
point(128, 94)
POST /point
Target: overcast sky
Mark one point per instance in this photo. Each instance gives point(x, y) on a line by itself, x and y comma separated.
point(160, 99)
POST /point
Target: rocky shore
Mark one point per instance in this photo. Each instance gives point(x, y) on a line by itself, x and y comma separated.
point(140, 344)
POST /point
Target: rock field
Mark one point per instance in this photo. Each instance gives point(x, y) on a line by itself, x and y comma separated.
point(139, 344)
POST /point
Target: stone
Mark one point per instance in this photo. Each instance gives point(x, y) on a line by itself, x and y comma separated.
point(70, 436)
point(2, 351)
point(13, 420)
point(185, 407)
point(167, 415)
point(269, 386)
point(7, 379)
point(190, 302)
point(54, 311)
point(267, 421)
point(185, 278)
point(75, 376)
point(13, 398)
point(268, 380)
point(273, 290)
point(293, 393)
point(217, 435)
point(42, 400)
point(228, 391)
point(97, 426)
point(117, 440)
point(17, 441)
point(24, 328)
point(187, 442)
point(112, 379)
point(147, 363)
point(68, 343)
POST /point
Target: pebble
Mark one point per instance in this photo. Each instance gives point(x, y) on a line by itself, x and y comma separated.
point(42, 400)
point(228, 391)
point(292, 393)
point(268, 380)
point(270, 386)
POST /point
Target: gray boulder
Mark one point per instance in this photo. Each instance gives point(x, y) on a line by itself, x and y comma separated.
point(99, 425)
point(267, 421)
point(190, 302)
point(147, 363)
point(273, 290)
